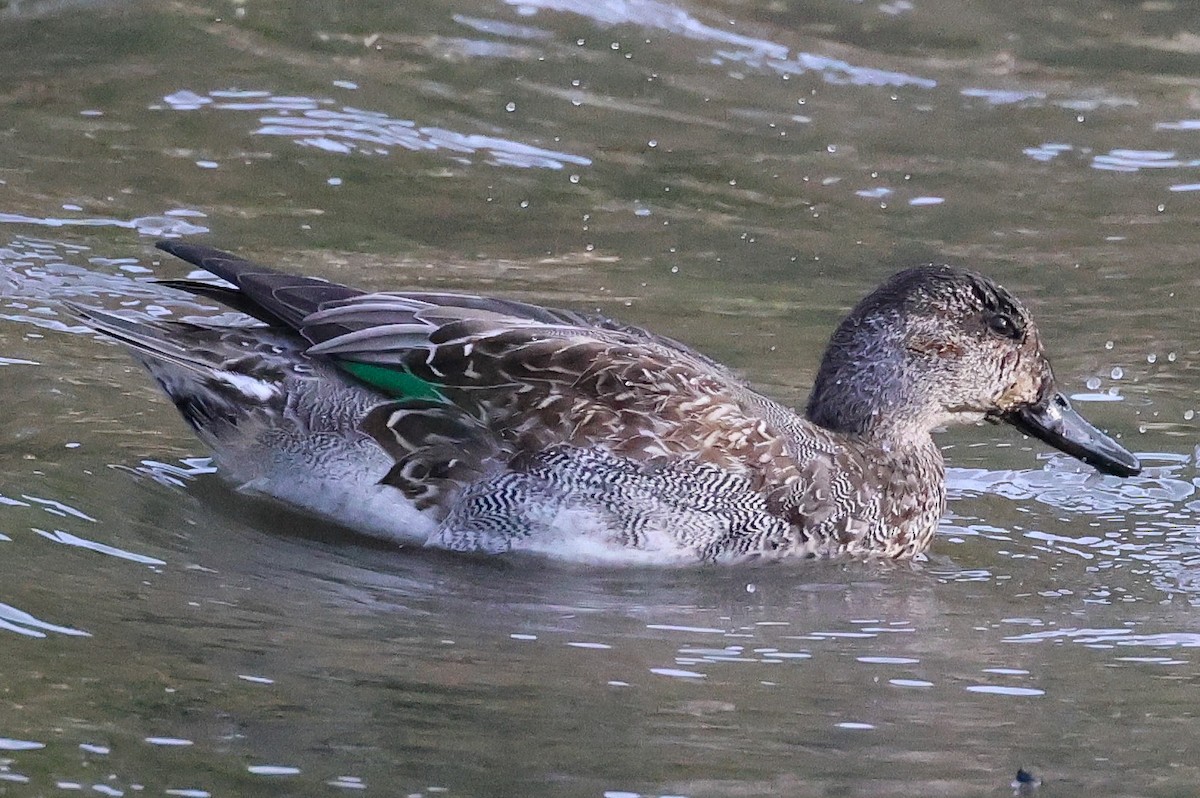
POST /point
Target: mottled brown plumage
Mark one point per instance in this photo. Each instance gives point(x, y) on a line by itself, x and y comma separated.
point(484, 424)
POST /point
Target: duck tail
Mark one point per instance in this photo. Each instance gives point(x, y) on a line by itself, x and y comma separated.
point(212, 392)
point(262, 292)
point(144, 339)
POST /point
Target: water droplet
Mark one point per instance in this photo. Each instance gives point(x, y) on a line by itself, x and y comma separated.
point(674, 270)
point(524, 203)
point(751, 587)
point(1151, 358)
point(1161, 207)
point(574, 178)
point(1117, 372)
point(1108, 344)
point(1188, 415)
point(510, 107)
point(652, 143)
point(831, 148)
point(1093, 383)
point(615, 46)
point(1170, 357)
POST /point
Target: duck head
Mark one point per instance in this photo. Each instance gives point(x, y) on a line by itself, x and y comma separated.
point(938, 345)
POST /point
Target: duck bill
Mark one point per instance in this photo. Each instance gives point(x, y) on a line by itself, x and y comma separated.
point(1054, 421)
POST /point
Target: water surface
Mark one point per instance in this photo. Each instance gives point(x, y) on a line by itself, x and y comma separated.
point(733, 175)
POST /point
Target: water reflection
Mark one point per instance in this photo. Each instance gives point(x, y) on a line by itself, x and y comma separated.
point(21, 622)
point(1081, 490)
point(497, 27)
point(1116, 160)
point(170, 223)
point(311, 123)
point(1005, 96)
point(1111, 638)
point(36, 275)
point(1052, 627)
point(68, 539)
point(746, 50)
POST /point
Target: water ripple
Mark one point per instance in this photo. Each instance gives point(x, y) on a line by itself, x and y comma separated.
point(164, 224)
point(67, 539)
point(35, 275)
point(1151, 521)
point(497, 28)
point(1078, 489)
point(746, 50)
point(1004, 96)
point(21, 622)
point(312, 122)
point(1117, 160)
point(1123, 160)
point(169, 474)
point(1110, 638)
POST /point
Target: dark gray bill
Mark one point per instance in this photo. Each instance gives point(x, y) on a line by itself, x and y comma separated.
point(1054, 421)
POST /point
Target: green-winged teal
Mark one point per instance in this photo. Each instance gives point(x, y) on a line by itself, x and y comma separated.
point(489, 425)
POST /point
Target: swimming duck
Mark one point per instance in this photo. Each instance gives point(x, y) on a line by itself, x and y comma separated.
point(479, 424)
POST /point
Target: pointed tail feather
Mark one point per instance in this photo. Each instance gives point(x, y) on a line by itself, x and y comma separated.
point(147, 341)
point(213, 376)
point(285, 297)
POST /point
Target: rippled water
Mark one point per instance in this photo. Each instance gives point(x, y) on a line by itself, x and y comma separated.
point(734, 175)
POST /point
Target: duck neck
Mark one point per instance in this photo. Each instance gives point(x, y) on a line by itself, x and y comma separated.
point(872, 404)
point(868, 387)
point(913, 478)
point(874, 409)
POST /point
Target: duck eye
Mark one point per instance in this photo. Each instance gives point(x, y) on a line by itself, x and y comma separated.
point(1003, 326)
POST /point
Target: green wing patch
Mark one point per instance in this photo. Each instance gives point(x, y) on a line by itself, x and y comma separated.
point(397, 383)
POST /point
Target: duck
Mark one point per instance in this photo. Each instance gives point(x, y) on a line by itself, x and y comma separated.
point(488, 425)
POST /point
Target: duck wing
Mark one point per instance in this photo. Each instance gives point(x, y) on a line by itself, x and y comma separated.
point(474, 381)
point(276, 297)
point(264, 293)
point(552, 378)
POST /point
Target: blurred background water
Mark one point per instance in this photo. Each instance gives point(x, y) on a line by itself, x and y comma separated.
point(732, 174)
